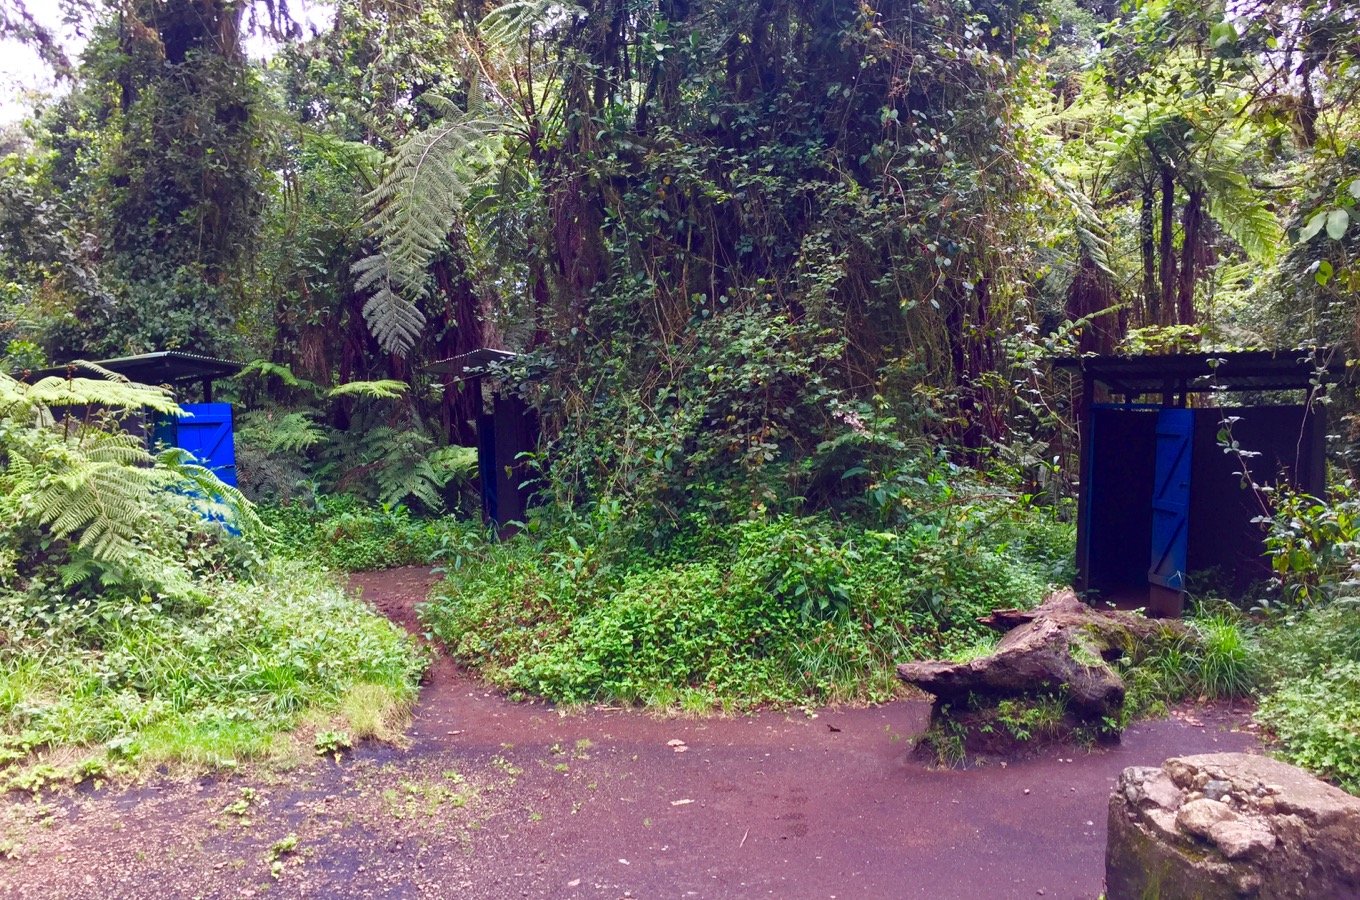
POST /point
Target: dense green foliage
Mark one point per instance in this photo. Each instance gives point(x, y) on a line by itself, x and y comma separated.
point(94, 686)
point(1315, 708)
point(135, 629)
point(782, 610)
point(350, 536)
point(781, 275)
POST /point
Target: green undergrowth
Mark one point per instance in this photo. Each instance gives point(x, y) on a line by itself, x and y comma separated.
point(227, 674)
point(1217, 658)
point(347, 534)
point(783, 610)
point(1313, 707)
point(145, 622)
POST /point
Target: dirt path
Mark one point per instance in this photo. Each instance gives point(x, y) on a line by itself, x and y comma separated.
point(502, 800)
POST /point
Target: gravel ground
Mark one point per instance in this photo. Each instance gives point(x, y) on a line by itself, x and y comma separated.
point(493, 799)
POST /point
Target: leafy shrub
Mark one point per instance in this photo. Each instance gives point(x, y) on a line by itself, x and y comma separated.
point(207, 681)
point(778, 610)
point(1314, 544)
point(1311, 660)
point(1317, 718)
point(288, 446)
point(350, 535)
point(137, 630)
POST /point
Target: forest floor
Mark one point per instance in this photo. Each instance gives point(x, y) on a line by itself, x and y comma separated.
point(493, 799)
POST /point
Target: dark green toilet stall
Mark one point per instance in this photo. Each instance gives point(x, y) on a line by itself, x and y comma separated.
point(1160, 498)
point(507, 430)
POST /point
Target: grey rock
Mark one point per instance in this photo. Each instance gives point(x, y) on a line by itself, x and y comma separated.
point(1240, 840)
point(1216, 789)
point(1199, 816)
point(1173, 834)
point(1161, 791)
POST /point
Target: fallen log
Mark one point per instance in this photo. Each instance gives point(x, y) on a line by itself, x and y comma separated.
point(1063, 647)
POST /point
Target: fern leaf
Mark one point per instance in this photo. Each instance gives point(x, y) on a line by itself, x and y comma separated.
point(264, 368)
point(384, 389)
point(1092, 235)
point(395, 321)
point(179, 463)
point(1241, 212)
point(411, 212)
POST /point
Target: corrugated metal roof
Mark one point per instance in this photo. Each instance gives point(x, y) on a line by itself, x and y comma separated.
point(470, 365)
point(1247, 370)
point(164, 367)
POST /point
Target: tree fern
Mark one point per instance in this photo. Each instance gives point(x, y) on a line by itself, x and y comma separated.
point(114, 392)
point(412, 212)
point(506, 26)
point(1092, 234)
point(381, 389)
point(1240, 211)
point(204, 486)
point(434, 172)
point(90, 485)
point(276, 432)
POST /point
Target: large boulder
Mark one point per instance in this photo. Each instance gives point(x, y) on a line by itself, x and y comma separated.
point(1062, 647)
point(1230, 825)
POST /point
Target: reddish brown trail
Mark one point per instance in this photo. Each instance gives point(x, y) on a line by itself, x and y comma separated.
point(602, 803)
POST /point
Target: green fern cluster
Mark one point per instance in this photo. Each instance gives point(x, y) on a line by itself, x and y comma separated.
point(434, 172)
point(133, 626)
point(388, 454)
point(73, 476)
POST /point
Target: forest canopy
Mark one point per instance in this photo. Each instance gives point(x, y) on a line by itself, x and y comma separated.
point(781, 279)
point(767, 241)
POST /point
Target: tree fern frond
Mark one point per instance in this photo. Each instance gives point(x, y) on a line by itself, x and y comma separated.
point(507, 25)
point(398, 483)
point(363, 160)
point(202, 482)
point(1241, 212)
point(1092, 234)
point(412, 211)
point(121, 395)
point(452, 462)
point(395, 321)
point(264, 368)
point(383, 389)
point(292, 433)
point(431, 162)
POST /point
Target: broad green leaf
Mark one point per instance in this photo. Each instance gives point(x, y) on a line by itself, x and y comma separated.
point(1355, 188)
point(1324, 273)
point(1337, 221)
point(1314, 225)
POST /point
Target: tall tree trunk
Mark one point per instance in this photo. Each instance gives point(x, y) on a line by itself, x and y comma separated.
point(1168, 248)
point(1147, 224)
point(1192, 227)
point(459, 310)
point(1308, 108)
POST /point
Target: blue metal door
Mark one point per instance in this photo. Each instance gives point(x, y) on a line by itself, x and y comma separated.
point(1171, 498)
point(206, 433)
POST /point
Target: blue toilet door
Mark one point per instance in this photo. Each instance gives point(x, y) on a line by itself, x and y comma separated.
point(206, 433)
point(1171, 498)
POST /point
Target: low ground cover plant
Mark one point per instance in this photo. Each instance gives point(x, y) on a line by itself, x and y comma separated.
point(1313, 667)
point(348, 534)
point(141, 623)
point(782, 609)
point(1310, 651)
